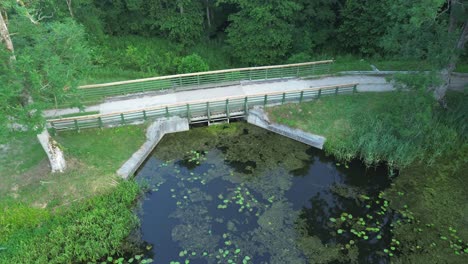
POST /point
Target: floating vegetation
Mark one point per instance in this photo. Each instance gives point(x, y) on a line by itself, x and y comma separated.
point(224, 199)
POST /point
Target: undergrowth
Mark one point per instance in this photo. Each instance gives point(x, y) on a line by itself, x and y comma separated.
point(399, 128)
point(86, 231)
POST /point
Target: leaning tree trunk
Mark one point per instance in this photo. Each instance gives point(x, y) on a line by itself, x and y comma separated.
point(54, 153)
point(5, 34)
point(446, 73)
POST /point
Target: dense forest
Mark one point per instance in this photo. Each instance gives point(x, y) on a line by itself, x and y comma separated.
point(53, 44)
point(48, 48)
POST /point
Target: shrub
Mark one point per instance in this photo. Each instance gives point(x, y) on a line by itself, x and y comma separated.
point(87, 231)
point(192, 63)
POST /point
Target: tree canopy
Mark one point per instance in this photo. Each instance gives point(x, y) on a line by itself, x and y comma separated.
point(55, 42)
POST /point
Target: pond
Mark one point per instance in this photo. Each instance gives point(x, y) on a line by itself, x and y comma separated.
point(239, 194)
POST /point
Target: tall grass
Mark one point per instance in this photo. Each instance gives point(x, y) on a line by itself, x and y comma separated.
point(398, 127)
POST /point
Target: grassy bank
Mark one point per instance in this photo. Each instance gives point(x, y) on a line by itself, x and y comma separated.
point(430, 191)
point(82, 214)
point(93, 157)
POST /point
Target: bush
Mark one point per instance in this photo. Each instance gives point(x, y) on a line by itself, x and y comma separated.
point(87, 231)
point(299, 57)
point(192, 63)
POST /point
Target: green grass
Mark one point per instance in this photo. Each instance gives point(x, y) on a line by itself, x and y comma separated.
point(21, 155)
point(83, 214)
point(462, 67)
point(401, 65)
point(86, 231)
point(350, 63)
point(93, 157)
point(105, 149)
point(330, 116)
point(102, 74)
point(78, 114)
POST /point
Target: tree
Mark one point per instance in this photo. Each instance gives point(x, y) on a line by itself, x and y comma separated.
point(365, 22)
point(435, 30)
point(261, 31)
point(46, 59)
point(314, 25)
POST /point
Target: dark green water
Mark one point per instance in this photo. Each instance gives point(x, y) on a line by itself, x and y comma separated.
point(239, 194)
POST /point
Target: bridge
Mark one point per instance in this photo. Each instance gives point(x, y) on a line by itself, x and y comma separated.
point(209, 96)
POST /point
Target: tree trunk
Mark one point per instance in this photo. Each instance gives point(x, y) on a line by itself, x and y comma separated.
point(70, 9)
point(5, 34)
point(55, 154)
point(208, 15)
point(446, 73)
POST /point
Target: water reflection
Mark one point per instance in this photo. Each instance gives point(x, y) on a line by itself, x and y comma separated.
point(239, 194)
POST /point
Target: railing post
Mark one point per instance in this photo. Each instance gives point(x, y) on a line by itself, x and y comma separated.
point(122, 119)
point(77, 128)
point(144, 115)
point(167, 111)
point(245, 105)
point(99, 122)
point(336, 91)
point(302, 96)
point(227, 109)
point(250, 75)
point(265, 100)
point(208, 111)
point(297, 71)
point(188, 112)
point(319, 93)
point(284, 98)
point(198, 80)
point(355, 88)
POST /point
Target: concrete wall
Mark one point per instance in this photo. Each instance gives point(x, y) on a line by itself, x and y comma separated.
point(154, 134)
point(258, 118)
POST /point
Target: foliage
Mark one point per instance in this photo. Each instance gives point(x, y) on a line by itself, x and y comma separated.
point(399, 128)
point(364, 24)
point(415, 27)
point(49, 60)
point(88, 230)
point(260, 33)
point(315, 25)
point(299, 57)
point(192, 63)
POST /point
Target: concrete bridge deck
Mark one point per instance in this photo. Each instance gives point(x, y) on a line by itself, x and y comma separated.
point(368, 82)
